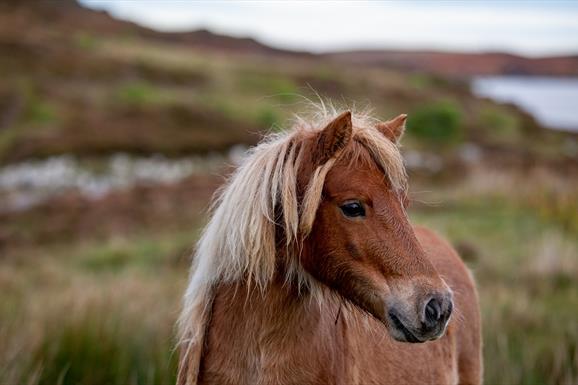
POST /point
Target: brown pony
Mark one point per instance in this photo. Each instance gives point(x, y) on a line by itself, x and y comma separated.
point(309, 271)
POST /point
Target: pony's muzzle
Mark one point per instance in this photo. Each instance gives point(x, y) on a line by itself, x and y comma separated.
point(428, 323)
point(435, 315)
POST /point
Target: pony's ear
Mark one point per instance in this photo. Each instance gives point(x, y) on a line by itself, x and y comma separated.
point(333, 138)
point(393, 129)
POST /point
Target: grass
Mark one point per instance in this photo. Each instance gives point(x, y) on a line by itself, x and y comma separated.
point(502, 123)
point(98, 335)
point(84, 40)
point(93, 313)
point(524, 263)
point(105, 336)
point(267, 84)
point(137, 94)
point(97, 311)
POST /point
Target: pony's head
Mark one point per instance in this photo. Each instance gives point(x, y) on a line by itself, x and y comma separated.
point(322, 206)
point(360, 242)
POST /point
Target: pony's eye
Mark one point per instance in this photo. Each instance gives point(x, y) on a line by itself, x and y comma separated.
point(353, 209)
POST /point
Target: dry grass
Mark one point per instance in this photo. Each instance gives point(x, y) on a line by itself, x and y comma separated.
point(65, 321)
point(88, 311)
point(525, 258)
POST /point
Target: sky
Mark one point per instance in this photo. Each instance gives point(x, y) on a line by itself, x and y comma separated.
point(530, 28)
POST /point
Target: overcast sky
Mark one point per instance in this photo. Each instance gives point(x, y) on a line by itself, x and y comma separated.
point(530, 28)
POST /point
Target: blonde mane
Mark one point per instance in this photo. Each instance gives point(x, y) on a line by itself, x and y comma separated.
point(239, 241)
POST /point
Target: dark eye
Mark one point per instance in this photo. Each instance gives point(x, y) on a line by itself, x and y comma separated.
point(353, 209)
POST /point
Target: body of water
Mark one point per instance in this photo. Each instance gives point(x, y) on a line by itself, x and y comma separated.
point(552, 101)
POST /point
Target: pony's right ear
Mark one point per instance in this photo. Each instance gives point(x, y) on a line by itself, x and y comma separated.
point(393, 129)
point(333, 138)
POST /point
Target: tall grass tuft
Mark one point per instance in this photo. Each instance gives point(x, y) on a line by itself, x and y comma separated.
point(101, 347)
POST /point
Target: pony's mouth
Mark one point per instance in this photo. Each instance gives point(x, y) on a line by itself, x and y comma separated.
point(409, 336)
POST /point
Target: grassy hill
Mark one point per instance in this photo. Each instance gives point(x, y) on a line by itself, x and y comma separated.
point(79, 82)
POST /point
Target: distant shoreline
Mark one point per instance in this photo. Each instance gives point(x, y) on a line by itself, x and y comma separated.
point(552, 101)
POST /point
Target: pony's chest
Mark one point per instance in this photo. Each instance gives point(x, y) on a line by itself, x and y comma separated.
point(248, 342)
point(267, 358)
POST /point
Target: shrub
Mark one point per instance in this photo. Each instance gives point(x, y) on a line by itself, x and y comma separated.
point(283, 89)
point(268, 118)
point(41, 112)
point(136, 94)
point(438, 122)
point(84, 40)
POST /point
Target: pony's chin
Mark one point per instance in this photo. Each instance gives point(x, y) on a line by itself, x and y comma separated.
point(400, 332)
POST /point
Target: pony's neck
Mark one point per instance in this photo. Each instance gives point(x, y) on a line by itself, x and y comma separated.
point(280, 304)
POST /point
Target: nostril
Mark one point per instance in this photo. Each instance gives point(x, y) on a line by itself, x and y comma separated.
point(433, 310)
point(450, 308)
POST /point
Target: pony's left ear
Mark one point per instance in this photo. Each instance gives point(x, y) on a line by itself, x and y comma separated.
point(393, 129)
point(333, 138)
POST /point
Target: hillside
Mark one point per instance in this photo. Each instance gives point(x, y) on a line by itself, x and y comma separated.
point(21, 20)
point(463, 64)
point(79, 82)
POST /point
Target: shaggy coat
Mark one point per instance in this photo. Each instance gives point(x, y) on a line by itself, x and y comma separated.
point(310, 273)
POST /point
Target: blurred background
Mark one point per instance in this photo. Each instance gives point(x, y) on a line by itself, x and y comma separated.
point(119, 119)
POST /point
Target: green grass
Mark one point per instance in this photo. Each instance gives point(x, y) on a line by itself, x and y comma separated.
point(136, 94)
point(41, 112)
point(148, 254)
point(500, 123)
point(95, 339)
point(93, 313)
point(85, 40)
point(105, 346)
point(102, 311)
point(530, 332)
point(268, 85)
point(524, 266)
